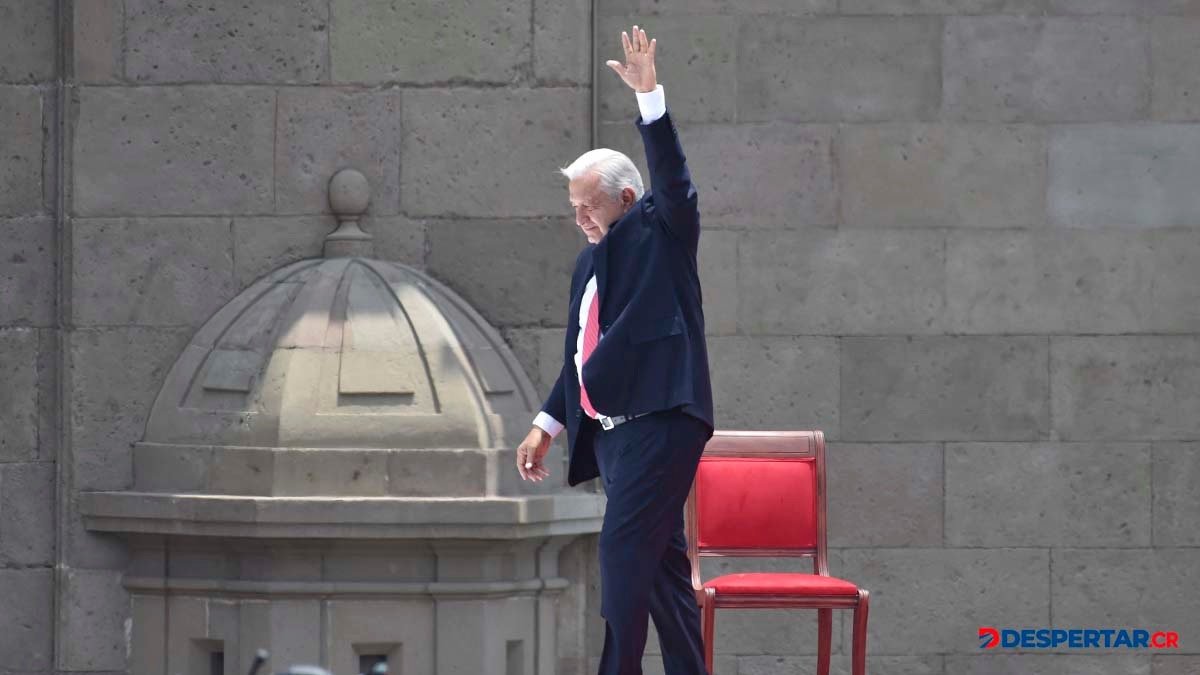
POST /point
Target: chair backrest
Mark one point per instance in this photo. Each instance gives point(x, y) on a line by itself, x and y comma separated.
point(759, 493)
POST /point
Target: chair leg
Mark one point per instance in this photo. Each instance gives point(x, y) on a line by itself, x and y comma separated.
point(858, 665)
point(824, 637)
point(709, 628)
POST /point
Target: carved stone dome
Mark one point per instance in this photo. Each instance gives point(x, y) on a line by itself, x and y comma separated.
point(340, 376)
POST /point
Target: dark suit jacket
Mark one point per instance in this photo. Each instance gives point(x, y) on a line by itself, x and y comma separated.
point(652, 355)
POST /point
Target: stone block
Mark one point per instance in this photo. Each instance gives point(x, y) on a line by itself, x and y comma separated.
point(1175, 54)
point(82, 547)
point(718, 264)
point(98, 41)
point(27, 622)
point(455, 136)
point(320, 131)
point(1048, 664)
point(1175, 665)
point(1032, 69)
point(404, 630)
point(561, 54)
point(19, 395)
point(944, 388)
point(186, 631)
point(419, 42)
point(775, 382)
point(442, 473)
point(264, 244)
point(96, 607)
point(738, 171)
point(399, 239)
point(942, 6)
point(672, 8)
point(540, 353)
point(174, 150)
point(531, 289)
point(1142, 588)
point(839, 69)
point(115, 376)
point(1047, 494)
point(27, 43)
point(21, 145)
point(148, 614)
point(280, 563)
point(1123, 175)
point(839, 664)
point(884, 495)
point(1136, 7)
point(27, 523)
point(227, 41)
point(1176, 494)
point(901, 175)
point(294, 623)
point(28, 271)
point(349, 562)
point(1125, 387)
point(696, 56)
point(1073, 280)
point(933, 600)
point(345, 472)
point(837, 282)
point(173, 272)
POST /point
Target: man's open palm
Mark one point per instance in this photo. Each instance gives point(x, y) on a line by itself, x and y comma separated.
point(638, 69)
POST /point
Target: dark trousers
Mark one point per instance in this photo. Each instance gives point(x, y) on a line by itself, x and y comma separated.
point(647, 466)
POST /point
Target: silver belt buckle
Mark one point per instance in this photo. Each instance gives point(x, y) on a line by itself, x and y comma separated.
point(606, 423)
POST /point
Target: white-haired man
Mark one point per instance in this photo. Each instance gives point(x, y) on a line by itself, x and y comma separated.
point(634, 392)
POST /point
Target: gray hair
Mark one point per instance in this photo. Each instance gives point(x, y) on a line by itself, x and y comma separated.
point(615, 169)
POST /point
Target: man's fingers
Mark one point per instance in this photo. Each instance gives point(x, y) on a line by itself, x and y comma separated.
point(652, 45)
point(616, 66)
point(522, 453)
point(625, 43)
point(645, 41)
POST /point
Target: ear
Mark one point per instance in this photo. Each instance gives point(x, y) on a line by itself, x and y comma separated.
point(628, 197)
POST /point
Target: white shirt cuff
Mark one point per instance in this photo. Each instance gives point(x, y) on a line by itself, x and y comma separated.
point(547, 424)
point(652, 103)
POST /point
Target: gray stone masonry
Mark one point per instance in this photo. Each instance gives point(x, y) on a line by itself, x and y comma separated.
point(961, 237)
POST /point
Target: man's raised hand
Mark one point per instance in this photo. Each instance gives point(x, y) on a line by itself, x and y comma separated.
point(638, 69)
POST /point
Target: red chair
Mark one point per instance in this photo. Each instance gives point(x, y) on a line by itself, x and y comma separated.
point(759, 494)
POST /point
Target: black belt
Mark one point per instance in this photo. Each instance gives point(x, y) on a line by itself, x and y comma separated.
point(610, 423)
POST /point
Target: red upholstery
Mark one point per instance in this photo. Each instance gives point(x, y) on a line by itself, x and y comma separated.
point(762, 583)
point(762, 494)
point(756, 503)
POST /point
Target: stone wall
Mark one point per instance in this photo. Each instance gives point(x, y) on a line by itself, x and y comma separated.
point(963, 239)
point(29, 335)
point(959, 237)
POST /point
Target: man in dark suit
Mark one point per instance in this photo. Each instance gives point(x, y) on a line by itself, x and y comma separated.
point(634, 393)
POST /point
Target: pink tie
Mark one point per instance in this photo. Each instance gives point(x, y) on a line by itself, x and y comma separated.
point(591, 336)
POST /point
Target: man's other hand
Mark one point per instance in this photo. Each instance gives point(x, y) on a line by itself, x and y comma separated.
point(638, 69)
point(531, 453)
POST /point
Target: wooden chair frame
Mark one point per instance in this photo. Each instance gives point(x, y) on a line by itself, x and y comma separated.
point(777, 444)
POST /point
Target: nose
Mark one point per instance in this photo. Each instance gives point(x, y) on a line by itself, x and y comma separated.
point(579, 217)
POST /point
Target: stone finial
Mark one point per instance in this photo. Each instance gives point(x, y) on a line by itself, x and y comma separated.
point(349, 195)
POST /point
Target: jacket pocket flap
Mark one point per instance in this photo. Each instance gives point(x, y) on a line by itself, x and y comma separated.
point(659, 327)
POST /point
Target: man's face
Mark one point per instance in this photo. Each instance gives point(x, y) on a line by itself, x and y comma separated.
point(595, 211)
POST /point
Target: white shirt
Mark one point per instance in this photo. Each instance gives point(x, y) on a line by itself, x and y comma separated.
point(653, 105)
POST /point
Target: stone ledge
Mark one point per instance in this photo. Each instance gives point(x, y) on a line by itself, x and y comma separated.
point(341, 517)
point(471, 589)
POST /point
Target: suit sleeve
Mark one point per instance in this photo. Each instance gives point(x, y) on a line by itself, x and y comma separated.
point(554, 410)
point(674, 193)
